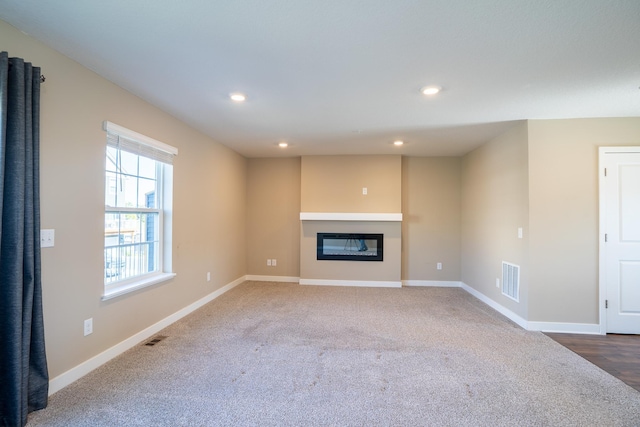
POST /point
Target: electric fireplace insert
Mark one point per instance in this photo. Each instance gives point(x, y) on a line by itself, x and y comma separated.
point(350, 246)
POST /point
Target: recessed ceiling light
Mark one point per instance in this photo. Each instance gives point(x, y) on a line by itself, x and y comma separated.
point(238, 97)
point(283, 144)
point(430, 90)
point(398, 143)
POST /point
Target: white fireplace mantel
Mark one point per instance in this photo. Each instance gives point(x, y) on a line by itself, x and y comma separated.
point(349, 216)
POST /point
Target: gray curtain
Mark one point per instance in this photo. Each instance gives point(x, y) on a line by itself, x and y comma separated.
point(24, 379)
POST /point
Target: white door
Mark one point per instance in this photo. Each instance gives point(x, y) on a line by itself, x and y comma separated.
point(621, 209)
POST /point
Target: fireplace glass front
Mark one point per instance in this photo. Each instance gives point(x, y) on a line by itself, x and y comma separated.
point(350, 246)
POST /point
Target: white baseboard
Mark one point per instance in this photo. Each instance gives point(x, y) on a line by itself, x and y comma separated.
point(287, 279)
point(566, 328)
point(362, 283)
point(497, 307)
point(432, 283)
point(84, 368)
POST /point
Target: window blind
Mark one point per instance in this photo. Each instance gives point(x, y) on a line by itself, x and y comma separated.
point(136, 143)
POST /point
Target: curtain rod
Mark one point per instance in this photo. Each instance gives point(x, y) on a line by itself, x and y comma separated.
point(42, 77)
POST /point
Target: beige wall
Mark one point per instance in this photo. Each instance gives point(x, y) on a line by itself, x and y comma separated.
point(431, 218)
point(273, 216)
point(558, 211)
point(334, 184)
point(430, 189)
point(494, 204)
point(209, 208)
point(563, 191)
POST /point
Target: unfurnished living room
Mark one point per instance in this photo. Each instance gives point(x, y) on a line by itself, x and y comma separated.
point(354, 213)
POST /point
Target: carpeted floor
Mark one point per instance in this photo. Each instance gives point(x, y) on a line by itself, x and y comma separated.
point(272, 354)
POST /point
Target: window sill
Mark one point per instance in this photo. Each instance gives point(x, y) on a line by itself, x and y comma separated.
point(129, 287)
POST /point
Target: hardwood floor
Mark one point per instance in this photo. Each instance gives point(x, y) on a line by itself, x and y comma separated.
point(619, 355)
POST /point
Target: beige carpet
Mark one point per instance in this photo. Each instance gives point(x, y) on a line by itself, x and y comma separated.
point(267, 354)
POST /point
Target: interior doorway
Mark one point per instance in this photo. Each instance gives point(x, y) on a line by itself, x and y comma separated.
point(620, 239)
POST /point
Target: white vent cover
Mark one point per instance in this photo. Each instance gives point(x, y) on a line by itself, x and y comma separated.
point(511, 280)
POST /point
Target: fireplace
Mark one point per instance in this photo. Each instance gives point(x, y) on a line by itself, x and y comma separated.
point(350, 246)
point(324, 268)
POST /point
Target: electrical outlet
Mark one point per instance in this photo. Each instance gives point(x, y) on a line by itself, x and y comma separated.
point(497, 282)
point(364, 191)
point(47, 238)
point(439, 266)
point(208, 276)
point(88, 327)
point(269, 262)
point(274, 262)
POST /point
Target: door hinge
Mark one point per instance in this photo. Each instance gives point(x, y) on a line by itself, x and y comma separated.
point(605, 171)
point(606, 303)
point(605, 237)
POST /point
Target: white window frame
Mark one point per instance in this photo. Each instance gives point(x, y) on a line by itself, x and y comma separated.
point(163, 154)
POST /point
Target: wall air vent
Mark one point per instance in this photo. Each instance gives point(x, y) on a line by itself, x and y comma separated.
point(511, 280)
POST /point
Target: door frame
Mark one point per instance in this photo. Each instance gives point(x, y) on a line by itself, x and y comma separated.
point(602, 282)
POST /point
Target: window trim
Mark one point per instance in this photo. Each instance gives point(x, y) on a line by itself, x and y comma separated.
point(163, 154)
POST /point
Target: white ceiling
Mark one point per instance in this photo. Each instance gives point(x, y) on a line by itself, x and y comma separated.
point(343, 76)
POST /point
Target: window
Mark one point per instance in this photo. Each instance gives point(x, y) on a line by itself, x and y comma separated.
point(137, 225)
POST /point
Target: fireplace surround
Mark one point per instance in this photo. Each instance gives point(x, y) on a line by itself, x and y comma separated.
point(384, 273)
